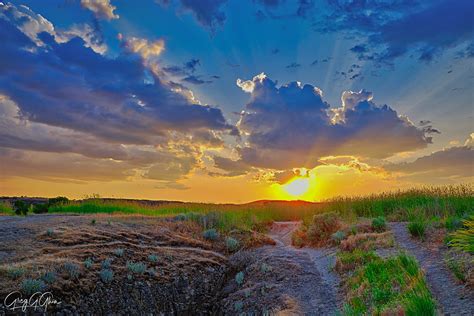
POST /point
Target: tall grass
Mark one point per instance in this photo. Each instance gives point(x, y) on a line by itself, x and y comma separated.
point(427, 202)
point(6, 208)
point(221, 216)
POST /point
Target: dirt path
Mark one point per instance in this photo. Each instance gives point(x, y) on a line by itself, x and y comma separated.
point(451, 296)
point(315, 286)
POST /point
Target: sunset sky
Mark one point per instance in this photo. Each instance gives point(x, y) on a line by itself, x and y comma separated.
point(234, 101)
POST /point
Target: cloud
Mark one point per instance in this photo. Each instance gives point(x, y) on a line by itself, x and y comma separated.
point(33, 24)
point(143, 47)
point(233, 168)
point(207, 12)
point(195, 80)
point(61, 98)
point(102, 9)
point(453, 163)
point(292, 126)
point(395, 28)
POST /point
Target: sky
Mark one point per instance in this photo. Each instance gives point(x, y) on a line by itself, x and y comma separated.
point(234, 101)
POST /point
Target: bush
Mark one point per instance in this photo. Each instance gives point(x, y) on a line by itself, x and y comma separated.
point(31, 286)
point(49, 277)
point(40, 208)
point(153, 258)
point(417, 228)
point(119, 252)
point(239, 278)
point(322, 227)
point(106, 263)
point(106, 275)
point(453, 223)
point(59, 200)
point(50, 232)
point(379, 224)
point(210, 234)
point(136, 267)
point(88, 263)
point(21, 207)
point(72, 269)
point(231, 244)
point(15, 272)
point(338, 236)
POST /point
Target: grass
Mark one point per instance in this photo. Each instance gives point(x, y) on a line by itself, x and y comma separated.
point(427, 202)
point(383, 286)
point(6, 208)
point(417, 228)
point(463, 238)
point(440, 201)
point(31, 286)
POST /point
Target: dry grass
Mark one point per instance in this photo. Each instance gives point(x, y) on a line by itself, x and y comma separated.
point(368, 241)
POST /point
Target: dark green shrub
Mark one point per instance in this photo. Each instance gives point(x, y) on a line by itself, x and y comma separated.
point(379, 224)
point(21, 207)
point(453, 223)
point(239, 278)
point(136, 267)
point(40, 208)
point(338, 236)
point(59, 200)
point(72, 269)
point(49, 277)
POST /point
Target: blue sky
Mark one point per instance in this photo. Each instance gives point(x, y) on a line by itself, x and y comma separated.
point(415, 56)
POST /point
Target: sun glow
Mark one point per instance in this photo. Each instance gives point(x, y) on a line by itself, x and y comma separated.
point(297, 187)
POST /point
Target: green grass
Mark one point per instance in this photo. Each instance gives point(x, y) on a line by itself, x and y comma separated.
point(385, 285)
point(427, 202)
point(417, 228)
point(463, 238)
point(222, 217)
point(6, 208)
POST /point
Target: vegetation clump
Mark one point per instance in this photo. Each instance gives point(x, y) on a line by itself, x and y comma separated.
point(119, 252)
point(136, 267)
point(49, 277)
point(106, 263)
point(338, 236)
point(383, 285)
point(31, 286)
point(379, 224)
point(417, 228)
point(153, 258)
point(106, 275)
point(15, 272)
point(231, 244)
point(210, 234)
point(239, 278)
point(88, 263)
point(322, 227)
point(463, 239)
point(72, 269)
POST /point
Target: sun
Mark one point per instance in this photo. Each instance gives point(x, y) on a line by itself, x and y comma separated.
point(297, 187)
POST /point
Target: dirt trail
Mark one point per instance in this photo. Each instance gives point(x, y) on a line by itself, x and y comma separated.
point(452, 297)
point(315, 288)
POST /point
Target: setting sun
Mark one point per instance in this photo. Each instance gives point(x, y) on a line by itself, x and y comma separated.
point(297, 187)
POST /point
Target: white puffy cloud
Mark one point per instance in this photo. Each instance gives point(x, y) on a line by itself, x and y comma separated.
point(144, 47)
point(102, 9)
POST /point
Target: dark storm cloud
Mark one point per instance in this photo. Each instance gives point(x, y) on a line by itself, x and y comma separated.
point(292, 126)
point(395, 28)
point(233, 168)
point(69, 85)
